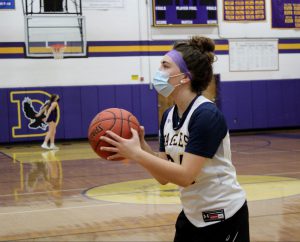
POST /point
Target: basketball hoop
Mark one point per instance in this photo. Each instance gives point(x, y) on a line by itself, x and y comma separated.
point(58, 50)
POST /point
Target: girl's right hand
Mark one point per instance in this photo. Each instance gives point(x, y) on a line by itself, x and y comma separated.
point(142, 137)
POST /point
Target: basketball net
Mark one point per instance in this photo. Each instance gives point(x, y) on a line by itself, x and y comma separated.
point(58, 51)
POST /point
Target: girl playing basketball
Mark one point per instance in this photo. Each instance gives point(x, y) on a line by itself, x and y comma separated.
point(194, 139)
point(50, 110)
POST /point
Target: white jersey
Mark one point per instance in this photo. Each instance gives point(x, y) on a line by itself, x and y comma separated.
point(215, 195)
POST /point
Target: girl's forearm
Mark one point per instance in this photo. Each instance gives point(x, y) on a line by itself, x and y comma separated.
point(161, 169)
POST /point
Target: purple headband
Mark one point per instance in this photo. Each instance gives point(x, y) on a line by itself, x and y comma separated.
point(179, 61)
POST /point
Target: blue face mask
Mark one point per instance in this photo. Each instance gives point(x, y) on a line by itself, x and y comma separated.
point(161, 84)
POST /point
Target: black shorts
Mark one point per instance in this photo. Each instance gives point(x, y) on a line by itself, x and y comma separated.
point(234, 229)
point(52, 118)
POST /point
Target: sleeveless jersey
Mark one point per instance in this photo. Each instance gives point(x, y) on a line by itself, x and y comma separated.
point(215, 194)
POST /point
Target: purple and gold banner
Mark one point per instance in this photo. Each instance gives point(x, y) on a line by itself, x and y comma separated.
point(244, 10)
point(285, 13)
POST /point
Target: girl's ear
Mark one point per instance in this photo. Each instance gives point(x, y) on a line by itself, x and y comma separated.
point(186, 79)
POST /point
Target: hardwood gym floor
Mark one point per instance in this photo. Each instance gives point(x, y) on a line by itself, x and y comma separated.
point(72, 195)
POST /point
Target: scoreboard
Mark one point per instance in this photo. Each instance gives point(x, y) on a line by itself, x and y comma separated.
point(7, 4)
point(184, 12)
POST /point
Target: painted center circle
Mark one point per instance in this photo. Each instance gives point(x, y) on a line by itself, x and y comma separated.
point(149, 191)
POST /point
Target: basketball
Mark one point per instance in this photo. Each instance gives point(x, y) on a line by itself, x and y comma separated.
point(115, 119)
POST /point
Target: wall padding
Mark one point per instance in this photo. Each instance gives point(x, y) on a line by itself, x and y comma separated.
point(77, 107)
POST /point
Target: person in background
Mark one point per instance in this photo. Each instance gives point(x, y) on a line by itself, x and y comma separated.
point(194, 148)
point(50, 111)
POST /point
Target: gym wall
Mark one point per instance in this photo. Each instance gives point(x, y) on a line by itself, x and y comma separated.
point(124, 51)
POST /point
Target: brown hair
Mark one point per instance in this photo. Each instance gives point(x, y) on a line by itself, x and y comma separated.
point(52, 98)
point(48, 103)
point(198, 54)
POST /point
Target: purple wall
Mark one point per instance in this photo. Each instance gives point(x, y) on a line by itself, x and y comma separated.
point(261, 104)
point(246, 105)
point(78, 106)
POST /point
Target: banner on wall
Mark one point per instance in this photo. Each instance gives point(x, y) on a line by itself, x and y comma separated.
point(285, 13)
point(7, 4)
point(244, 10)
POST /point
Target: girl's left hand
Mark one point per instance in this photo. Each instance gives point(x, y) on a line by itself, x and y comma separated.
point(126, 148)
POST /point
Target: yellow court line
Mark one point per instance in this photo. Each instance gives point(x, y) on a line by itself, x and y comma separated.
point(288, 46)
point(134, 48)
point(43, 50)
point(11, 50)
point(129, 48)
point(222, 47)
point(140, 48)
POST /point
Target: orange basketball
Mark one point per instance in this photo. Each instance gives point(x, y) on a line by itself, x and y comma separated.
point(115, 119)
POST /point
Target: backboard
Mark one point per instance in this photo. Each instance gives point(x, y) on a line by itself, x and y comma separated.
point(34, 7)
point(43, 31)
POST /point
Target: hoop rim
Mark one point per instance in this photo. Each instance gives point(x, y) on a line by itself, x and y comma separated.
point(58, 50)
point(57, 46)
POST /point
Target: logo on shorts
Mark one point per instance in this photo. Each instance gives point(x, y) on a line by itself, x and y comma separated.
point(214, 215)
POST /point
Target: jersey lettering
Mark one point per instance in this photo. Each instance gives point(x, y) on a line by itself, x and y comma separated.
point(174, 140)
point(166, 139)
point(179, 139)
point(180, 143)
point(172, 160)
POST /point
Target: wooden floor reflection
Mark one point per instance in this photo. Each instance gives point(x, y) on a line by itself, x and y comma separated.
point(45, 195)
